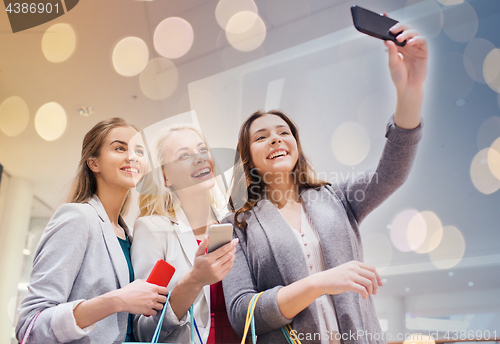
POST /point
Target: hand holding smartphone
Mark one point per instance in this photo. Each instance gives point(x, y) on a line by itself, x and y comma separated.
point(219, 235)
point(374, 24)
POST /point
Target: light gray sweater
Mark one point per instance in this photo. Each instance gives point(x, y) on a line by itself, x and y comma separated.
point(269, 257)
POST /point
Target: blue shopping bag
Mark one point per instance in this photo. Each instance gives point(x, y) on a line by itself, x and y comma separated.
point(156, 335)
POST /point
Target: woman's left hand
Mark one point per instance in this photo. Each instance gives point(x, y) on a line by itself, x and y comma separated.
point(408, 64)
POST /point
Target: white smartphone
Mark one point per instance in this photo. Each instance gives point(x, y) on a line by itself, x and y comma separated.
point(219, 235)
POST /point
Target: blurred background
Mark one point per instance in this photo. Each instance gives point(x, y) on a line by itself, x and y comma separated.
point(435, 241)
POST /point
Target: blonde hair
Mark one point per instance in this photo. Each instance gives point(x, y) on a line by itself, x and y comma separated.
point(85, 184)
point(156, 198)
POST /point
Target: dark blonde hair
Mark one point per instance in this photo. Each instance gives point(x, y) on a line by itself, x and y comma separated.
point(85, 184)
point(247, 186)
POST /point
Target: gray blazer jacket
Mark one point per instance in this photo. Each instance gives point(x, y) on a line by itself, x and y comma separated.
point(269, 257)
point(78, 258)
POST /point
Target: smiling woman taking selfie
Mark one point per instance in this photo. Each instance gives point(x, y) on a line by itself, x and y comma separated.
point(80, 288)
point(299, 240)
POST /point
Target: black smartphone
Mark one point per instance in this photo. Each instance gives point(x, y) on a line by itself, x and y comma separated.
point(374, 24)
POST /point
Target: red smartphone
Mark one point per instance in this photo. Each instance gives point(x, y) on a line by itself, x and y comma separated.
point(161, 274)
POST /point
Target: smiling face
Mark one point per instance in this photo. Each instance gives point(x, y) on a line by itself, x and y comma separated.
point(187, 161)
point(273, 148)
point(121, 161)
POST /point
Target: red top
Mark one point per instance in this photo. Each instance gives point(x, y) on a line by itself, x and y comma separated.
point(220, 328)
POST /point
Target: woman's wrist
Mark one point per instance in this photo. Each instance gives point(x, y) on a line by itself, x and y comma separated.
point(114, 301)
point(184, 294)
point(191, 281)
point(93, 310)
point(316, 284)
point(410, 94)
point(408, 108)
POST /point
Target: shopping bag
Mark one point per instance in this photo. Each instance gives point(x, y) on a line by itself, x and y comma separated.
point(250, 323)
point(156, 335)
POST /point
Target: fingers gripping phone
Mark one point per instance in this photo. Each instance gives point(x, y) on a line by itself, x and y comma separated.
point(219, 235)
point(374, 24)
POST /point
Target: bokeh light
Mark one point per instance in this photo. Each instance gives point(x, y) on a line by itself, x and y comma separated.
point(246, 31)
point(491, 69)
point(408, 230)
point(488, 132)
point(450, 250)
point(494, 159)
point(429, 22)
point(14, 116)
point(130, 56)
point(377, 250)
point(417, 231)
point(58, 42)
point(474, 55)
point(159, 79)
point(434, 232)
point(50, 121)
point(350, 143)
point(481, 175)
point(460, 22)
point(173, 37)
point(454, 81)
point(226, 9)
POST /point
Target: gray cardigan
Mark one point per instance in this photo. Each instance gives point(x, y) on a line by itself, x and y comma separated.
point(78, 257)
point(269, 257)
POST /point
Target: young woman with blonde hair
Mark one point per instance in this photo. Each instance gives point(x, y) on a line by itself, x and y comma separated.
point(80, 289)
point(178, 202)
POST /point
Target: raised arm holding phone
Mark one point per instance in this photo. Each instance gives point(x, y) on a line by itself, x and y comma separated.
point(299, 241)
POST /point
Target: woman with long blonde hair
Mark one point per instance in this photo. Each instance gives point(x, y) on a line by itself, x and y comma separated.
point(178, 202)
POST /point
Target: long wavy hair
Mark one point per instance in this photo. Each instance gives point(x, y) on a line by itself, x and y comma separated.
point(84, 185)
point(158, 199)
point(248, 187)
